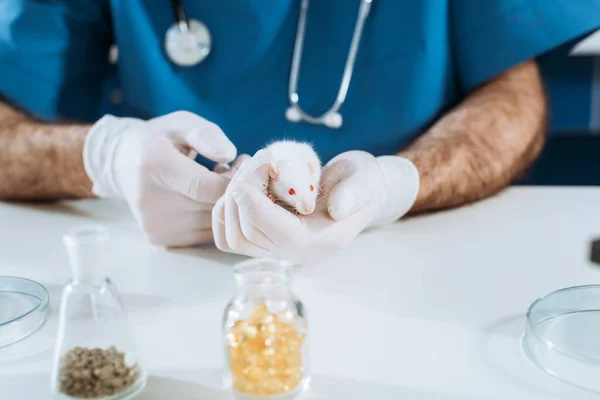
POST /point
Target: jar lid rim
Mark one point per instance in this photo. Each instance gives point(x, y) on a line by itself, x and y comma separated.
point(262, 270)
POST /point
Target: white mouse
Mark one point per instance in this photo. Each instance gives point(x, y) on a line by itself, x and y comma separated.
point(294, 176)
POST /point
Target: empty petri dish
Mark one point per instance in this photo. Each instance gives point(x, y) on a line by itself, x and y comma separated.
point(24, 308)
point(561, 335)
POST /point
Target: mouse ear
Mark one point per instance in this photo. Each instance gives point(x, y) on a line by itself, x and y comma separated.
point(273, 170)
point(313, 167)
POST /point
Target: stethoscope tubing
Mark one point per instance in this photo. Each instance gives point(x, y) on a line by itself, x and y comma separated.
point(330, 118)
point(294, 98)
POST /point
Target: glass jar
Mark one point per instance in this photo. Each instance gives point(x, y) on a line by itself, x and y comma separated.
point(95, 353)
point(265, 333)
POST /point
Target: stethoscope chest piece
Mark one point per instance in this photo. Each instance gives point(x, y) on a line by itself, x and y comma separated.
point(330, 119)
point(188, 43)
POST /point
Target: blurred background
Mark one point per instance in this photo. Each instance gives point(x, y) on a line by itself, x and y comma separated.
point(572, 77)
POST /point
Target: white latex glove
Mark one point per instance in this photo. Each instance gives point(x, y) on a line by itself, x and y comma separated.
point(150, 164)
point(361, 191)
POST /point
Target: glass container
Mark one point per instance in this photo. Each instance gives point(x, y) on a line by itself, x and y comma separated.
point(95, 353)
point(561, 336)
point(265, 333)
point(24, 308)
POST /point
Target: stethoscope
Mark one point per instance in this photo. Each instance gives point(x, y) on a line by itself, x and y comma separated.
point(188, 42)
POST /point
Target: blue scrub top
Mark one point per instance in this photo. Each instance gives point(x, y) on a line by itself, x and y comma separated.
point(416, 59)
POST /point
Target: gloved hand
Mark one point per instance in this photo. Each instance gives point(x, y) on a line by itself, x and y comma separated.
point(360, 191)
point(151, 165)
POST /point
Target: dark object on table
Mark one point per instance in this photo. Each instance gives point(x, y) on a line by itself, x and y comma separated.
point(595, 251)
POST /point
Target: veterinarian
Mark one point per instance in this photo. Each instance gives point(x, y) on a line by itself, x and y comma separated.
point(114, 99)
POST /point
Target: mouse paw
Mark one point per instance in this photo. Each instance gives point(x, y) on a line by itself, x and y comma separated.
point(272, 197)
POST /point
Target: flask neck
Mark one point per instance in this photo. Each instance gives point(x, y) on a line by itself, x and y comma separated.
point(87, 264)
point(85, 249)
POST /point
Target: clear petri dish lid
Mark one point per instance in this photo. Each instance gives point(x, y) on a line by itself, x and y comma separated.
point(561, 336)
point(24, 308)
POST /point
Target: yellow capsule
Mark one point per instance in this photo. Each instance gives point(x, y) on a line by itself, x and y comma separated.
point(259, 312)
point(293, 342)
point(232, 340)
point(249, 331)
point(269, 362)
point(253, 373)
point(237, 366)
point(263, 362)
point(251, 358)
point(261, 309)
point(269, 352)
point(287, 317)
point(293, 380)
point(264, 329)
point(268, 319)
point(270, 386)
point(293, 359)
point(243, 385)
point(238, 325)
point(262, 322)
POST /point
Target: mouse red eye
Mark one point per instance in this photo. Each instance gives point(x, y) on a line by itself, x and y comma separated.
point(292, 191)
point(312, 188)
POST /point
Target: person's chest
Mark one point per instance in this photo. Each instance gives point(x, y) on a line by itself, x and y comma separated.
point(401, 80)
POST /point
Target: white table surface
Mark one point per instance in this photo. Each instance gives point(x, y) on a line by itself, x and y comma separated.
point(430, 308)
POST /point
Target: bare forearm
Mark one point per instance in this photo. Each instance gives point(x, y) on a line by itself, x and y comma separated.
point(40, 161)
point(484, 143)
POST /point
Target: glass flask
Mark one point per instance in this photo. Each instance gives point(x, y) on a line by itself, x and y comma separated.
point(95, 355)
point(265, 333)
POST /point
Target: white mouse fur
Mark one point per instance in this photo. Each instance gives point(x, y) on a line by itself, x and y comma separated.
point(294, 172)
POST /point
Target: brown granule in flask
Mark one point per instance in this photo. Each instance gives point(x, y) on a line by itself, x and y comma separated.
point(95, 373)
